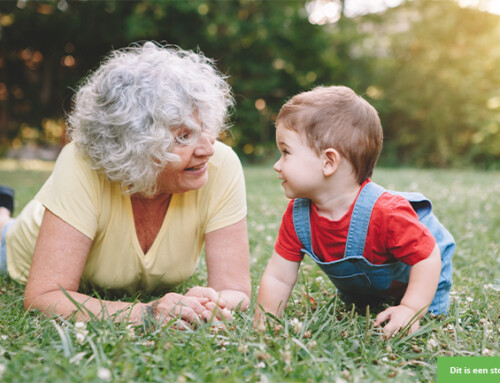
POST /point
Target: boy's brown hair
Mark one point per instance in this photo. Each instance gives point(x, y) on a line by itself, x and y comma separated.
point(336, 117)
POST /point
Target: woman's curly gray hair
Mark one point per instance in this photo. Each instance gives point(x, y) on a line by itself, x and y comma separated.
point(126, 111)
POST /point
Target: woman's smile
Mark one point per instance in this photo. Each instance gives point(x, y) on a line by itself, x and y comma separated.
point(201, 168)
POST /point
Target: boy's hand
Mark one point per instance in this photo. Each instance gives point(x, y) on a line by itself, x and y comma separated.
point(397, 317)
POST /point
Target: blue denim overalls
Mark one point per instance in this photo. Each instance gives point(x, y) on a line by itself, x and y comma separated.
point(359, 281)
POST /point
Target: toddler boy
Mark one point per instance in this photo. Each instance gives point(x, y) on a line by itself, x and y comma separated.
point(368, 241)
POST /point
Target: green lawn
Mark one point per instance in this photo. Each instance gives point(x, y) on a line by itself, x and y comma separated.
point(320, 339)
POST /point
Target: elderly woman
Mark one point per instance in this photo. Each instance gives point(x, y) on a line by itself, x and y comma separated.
point(133, 198)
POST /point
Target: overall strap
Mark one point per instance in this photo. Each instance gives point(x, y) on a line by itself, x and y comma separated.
point(302, 222)
point(360, 219)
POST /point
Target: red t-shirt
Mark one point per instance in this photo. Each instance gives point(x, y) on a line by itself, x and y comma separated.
point(394, 234)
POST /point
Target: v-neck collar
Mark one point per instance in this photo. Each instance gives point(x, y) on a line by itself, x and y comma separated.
point(161, 232)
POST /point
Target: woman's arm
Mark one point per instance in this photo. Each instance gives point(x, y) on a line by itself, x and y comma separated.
point(228, 264)
point(58, 262)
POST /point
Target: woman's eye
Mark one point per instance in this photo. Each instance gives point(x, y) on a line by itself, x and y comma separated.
point(184, 136)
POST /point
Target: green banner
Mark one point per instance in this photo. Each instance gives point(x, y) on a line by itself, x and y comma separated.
point(477, 369)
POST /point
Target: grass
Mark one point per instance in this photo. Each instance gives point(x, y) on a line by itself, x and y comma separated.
point(318, 340)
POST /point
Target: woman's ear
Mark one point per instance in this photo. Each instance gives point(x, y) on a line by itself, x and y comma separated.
point(331, 161)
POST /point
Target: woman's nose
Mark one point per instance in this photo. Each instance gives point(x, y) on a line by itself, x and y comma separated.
point(205, 145)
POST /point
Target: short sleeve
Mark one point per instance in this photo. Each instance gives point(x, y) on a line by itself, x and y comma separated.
point(226, 194)
point(72, 192)
point(287, 244)
point(408, 240)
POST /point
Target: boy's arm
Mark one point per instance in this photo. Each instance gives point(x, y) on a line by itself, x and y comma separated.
point(275, 287)
point(422, 286)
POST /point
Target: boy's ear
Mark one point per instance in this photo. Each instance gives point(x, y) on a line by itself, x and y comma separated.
point(331, 161)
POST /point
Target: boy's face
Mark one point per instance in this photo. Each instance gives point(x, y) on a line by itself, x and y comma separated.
point(300, 168)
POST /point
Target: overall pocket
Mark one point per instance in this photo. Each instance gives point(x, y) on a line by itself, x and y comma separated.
point(354, 283)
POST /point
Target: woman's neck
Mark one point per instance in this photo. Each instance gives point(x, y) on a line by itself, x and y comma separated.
point(149, 214)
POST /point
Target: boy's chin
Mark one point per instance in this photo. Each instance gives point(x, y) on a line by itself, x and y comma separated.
point(290, 195)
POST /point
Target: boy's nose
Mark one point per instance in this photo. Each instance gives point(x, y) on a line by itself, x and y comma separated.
point(277, 166)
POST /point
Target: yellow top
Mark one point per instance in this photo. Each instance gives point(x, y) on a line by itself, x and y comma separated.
point(96, 207)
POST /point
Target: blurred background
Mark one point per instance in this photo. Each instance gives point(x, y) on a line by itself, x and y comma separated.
point(431, 68)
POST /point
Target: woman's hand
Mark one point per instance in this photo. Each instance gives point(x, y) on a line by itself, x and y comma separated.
point(235, 299)
point(186, 309)
point(199, 304)
point(215, 304)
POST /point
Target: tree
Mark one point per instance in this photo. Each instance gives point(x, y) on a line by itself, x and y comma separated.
point(439, 85)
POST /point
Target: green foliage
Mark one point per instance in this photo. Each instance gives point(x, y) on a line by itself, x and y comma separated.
point(319, 339)
point(430, 68)
point(440, 82)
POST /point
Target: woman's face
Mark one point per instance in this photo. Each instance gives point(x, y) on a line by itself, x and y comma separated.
point(190, 172)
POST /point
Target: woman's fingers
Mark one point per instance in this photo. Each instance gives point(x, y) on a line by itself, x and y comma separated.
point(213, 311)
point(215, 306)
point(207, 292)
point(176, 305)
point(181, 325)
point(193, 308)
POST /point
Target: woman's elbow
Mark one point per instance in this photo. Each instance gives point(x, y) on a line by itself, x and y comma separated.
point(29, 302)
